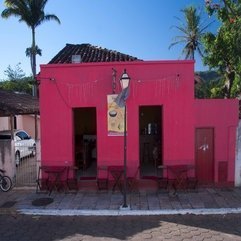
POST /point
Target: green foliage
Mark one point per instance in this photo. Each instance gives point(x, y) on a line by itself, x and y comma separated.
point(29, 11)
point(16, 80)
point(209, 84)
point(223, 50)
point(23, 85)
point(31, 52)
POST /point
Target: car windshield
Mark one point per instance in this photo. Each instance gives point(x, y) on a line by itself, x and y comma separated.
point(22, 135)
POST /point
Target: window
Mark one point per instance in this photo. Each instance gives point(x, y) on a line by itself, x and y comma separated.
point(22, 135)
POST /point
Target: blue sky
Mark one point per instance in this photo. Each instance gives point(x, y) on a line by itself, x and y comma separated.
point(141, 28)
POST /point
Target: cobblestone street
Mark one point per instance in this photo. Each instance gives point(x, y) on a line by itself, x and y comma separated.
point(17, 227)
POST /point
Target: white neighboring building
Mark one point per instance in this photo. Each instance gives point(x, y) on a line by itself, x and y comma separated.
point(4, 123)
point(24, 122)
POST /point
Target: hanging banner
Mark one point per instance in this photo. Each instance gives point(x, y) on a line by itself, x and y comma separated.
point(115, 117)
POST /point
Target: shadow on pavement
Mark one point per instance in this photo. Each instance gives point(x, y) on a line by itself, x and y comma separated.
point(51, 228)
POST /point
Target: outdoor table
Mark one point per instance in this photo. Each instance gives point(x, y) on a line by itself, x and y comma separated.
point(116, 172)
point(54, 176)
point(179, 175)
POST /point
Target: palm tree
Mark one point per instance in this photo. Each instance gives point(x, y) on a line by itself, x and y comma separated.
point(32, 13)
point(192, 30)
point(30, 52)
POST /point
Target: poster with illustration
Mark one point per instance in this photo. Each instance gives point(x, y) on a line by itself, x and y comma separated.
point(115, 117)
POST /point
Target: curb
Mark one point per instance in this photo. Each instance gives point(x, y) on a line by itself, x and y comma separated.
point(71, 212)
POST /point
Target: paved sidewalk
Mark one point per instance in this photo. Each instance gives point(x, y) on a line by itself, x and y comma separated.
point(200, 201)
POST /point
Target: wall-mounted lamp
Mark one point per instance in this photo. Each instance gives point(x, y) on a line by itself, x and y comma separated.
point(124, 80)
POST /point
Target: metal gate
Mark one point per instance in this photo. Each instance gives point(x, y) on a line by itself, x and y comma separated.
point(26, 171)
point(23, 172)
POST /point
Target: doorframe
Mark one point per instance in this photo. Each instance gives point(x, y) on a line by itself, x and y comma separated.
point(160, 135)
point(74, 109)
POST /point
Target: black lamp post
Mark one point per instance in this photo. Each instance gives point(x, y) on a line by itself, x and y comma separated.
point(125, 81)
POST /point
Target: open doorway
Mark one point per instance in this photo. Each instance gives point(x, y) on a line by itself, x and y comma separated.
point(150, 140)
point(85, 142)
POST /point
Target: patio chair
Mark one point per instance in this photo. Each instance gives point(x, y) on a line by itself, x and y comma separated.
point(132, 181)
point(102, 177)
point(162, 177)
point(42, 183)
point(192, 179)
point(192, 182)
point(72, 180)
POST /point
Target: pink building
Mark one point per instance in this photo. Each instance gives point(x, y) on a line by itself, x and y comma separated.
point(166, 125)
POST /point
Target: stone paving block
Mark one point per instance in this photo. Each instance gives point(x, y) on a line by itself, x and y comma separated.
point(195, 201)
point(164, 202)
point(221, 202)
point(176, 204)
point(184, 201)
point(237, 190)
point(153, 201)
point(103, 202)
point(143, 201)
point(134, 200)
point(236, 195)
point(208, 200)
point(233, 200)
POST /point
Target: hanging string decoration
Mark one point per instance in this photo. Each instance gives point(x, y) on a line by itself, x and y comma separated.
point(162, 85)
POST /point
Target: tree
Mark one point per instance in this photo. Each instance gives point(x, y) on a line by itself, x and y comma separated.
point(14, 74)
point(192, 30)
point(16, 80)
point(223, 50)
point(23, 85)
point(32, 13)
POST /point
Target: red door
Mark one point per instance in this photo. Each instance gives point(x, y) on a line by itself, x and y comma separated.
point(205, 155)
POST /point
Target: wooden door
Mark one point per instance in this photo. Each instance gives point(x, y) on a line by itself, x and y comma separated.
point(205, 155)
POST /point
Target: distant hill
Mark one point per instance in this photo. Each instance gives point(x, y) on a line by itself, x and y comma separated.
point(208, 85)
point(208, 75)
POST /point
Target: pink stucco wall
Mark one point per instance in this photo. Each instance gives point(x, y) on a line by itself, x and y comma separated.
point(222, 115)
point(166, 83)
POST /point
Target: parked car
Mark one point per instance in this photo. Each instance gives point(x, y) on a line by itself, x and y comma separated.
point(23, 143)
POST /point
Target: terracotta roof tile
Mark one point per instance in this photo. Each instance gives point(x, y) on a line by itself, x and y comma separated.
point(89, 53)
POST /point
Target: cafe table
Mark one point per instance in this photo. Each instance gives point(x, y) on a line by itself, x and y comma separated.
point(117, 173)
point(55, 174)
point(179, 175)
